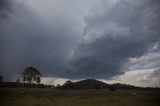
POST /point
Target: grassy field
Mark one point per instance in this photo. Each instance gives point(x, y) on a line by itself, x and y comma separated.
point(46, 97)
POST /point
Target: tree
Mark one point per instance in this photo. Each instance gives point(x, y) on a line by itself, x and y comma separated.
point(1, 78)
point(68, 85)
point(58, 86)
point(31, 74)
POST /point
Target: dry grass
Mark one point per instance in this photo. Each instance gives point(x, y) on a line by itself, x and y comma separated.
point(46, 97)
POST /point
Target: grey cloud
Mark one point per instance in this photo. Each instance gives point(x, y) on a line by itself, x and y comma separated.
point(4, 5)
point(147, 61)
point(105, 52)
point(156, 73)
point(26, 41)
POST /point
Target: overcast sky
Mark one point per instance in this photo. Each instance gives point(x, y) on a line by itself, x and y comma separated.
point(109, 40)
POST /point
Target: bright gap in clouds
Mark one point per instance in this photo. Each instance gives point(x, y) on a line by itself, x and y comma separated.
point(142, 78)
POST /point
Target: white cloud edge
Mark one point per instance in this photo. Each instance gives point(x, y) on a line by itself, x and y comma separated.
point(135, 77)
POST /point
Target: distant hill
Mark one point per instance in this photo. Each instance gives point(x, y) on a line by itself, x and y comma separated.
point(90, 84)
point(124, 86)
point(96, 84)
point(80, 85)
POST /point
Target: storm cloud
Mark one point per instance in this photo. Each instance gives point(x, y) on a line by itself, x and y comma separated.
point(77, 39)
point(123, 30)
point(27, 41)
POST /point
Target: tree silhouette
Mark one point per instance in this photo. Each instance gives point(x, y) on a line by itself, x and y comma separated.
point(1, 78)
point(31, 74)
point(112, 88)
point(68, 85)
point(58, 86)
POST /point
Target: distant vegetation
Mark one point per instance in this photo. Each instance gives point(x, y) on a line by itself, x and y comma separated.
point(80, 85)
point(68, 85)
point(112, 88)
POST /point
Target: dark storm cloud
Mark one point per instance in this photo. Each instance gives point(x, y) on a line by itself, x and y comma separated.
point(4, 5)
point(25, 41)
point(114, 34)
